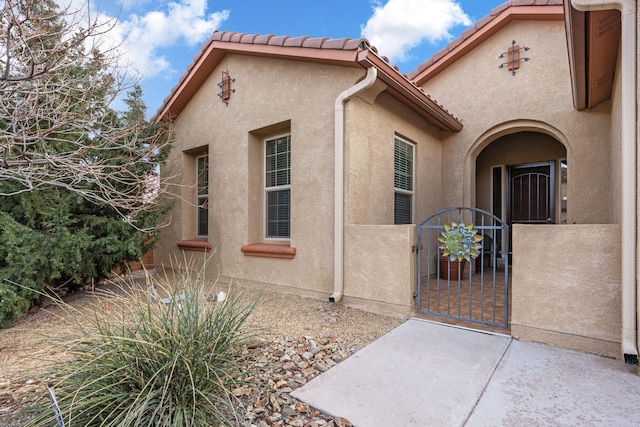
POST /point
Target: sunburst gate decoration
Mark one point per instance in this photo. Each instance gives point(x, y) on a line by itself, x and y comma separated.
point(460, 241)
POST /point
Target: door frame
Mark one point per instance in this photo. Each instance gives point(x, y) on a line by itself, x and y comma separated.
point(551, 199)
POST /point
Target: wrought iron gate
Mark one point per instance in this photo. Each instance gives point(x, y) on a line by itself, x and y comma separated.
point(474, 290)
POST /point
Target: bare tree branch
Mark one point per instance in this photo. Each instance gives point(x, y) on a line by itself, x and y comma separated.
point(57, 126)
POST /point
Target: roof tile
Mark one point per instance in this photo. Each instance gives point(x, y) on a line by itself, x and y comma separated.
point(454, 43)
point(248, 38)
point(236, 37)
point(226, 36)
point(483, 21)
point(263, 39)
point(360, 43)
point(288, 41)
point(468, 32)
point(314, 42)
point(526, 2)
point(439, 54)
point(278, 40)
point(294, 41)
point(335, 43)
point(498, 9)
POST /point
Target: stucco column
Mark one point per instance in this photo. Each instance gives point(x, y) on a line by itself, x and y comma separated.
point(628, 75)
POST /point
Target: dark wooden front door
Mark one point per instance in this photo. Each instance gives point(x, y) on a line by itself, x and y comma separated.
point(531, 194)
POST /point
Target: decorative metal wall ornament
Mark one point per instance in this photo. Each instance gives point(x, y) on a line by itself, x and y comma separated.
point(225, 85)
point(460, 241)
point(513, 57)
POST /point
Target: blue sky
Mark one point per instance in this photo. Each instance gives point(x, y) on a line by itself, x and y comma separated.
point(161, 37)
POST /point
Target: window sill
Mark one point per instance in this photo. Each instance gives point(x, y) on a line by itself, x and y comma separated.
point(194, 245)
point(269, 250)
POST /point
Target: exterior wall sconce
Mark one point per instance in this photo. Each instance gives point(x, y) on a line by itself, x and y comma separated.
point(513, 57)
point(225, 86)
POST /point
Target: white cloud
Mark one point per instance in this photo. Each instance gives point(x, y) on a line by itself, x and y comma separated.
point(140, 30)
point(400, 25)
point(179, 23)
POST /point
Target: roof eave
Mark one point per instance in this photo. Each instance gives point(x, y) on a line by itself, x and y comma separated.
point(214, 51)
point(409, 94)
point(354, 54)
point(576, 46)
point(593, 41)
point(479, 33)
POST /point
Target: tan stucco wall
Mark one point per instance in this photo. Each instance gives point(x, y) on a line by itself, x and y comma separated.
point(380, 268)
point(491, 103)
point(298, 97)
point(379, 263)
point(273, 97)
point(567, 297)
point(371, 130)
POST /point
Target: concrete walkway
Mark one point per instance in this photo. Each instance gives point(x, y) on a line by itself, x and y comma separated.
point(429, 374)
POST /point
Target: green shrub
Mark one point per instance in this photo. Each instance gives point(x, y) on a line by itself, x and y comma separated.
point(54, 240)
point(139, 363)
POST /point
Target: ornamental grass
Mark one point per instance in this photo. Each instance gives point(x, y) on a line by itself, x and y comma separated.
point(138, 361)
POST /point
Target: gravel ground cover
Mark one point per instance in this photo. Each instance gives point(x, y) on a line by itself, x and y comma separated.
point(298, 339)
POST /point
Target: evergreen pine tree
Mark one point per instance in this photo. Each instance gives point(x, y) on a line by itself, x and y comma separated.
point(63, 144)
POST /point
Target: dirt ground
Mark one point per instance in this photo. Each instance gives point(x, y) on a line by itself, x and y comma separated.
point(27, 348)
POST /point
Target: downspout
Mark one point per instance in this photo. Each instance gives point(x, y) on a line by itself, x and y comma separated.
point(629, 95)
point(338, 228)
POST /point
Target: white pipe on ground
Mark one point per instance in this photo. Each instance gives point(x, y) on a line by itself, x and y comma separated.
point(629, 96)
point(338, 229)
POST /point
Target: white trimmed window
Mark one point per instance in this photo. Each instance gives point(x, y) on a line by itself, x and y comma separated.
point(202, 196)
point(277, 154)
point(403, 181)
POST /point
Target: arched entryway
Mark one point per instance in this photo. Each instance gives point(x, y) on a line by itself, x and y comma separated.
point(522, 178)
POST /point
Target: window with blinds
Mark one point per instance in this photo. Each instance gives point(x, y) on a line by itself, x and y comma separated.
point(202, 196)
point(403, 181)
point(278, 187)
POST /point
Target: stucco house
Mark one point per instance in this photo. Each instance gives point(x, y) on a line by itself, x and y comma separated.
point(313, 166)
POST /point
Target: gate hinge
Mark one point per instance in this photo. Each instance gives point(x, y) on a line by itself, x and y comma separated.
point(414, 248)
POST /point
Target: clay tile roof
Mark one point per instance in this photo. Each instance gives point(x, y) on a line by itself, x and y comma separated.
point(357, 44)
point(236, 38)
point(498, 9)
point(439, 54)
point(315, 43)
point(336, 43)
point(263, 39)
point(344, 44)
point(468, 32)
point(248, 38)
point(483, 21)
point(454, 43)
point(226, 36)
point(278, 40)
point(288, 41)
point(334, 50)
point(294, 41)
